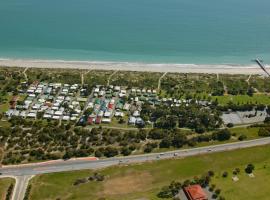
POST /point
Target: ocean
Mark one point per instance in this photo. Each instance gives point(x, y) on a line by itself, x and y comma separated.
point(152, 31)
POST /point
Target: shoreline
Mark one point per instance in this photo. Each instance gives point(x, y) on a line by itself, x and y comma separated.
point(133, 66)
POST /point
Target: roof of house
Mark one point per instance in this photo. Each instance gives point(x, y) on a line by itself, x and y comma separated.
point(195, 192)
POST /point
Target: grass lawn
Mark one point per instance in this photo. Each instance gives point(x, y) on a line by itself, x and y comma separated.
point(4, 123)
point(242, 99)
point(5, 106)
point(250, 132)
point(4, 184)
point(143, 181)
point(246, 187)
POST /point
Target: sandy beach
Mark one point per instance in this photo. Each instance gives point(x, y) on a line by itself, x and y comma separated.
point(128, 66)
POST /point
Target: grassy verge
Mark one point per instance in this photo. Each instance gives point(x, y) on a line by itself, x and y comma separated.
point(4, 184)
point(143, 181)
point(243, 99)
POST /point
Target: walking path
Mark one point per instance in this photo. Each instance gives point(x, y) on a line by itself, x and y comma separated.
point(24, 73)
point(108, 82)
point(82, 76)
point(248, 79)
point(159, 80)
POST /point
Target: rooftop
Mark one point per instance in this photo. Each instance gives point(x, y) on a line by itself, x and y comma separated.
point(195, 192)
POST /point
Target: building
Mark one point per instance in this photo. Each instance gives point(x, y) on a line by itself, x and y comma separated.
point(195, 192)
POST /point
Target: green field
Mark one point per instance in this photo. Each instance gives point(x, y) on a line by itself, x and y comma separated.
point(243, 99)
point(246, 188)
point(250, 132)
point(143, 181)
point(4, 106)
point(4, 184)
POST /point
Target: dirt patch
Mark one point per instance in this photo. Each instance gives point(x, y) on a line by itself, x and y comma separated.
point(134, 182)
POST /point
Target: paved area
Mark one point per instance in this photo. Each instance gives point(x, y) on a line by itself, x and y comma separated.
point(21, 183)
point(246, 117)
point(20, 187)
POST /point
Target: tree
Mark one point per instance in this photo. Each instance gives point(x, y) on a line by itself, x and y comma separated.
point(249, 168)
point(250, 91)
point(230, 125)
point(222, 135)
point(264, 132)
point(9, 191)
point(242, 137)
point(156, 134)
point(149, 147)
point(217, 191)
point(165, 193)
point(165, 143)
point(225, 174)
point(179, 139)
point(110, 151)
point(98, 153)
point(125, 151)
point(211, 173)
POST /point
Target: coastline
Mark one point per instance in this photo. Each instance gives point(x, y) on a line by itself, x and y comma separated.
point(132, 66)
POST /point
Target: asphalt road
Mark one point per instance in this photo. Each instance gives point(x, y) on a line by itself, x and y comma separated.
point(69, 165)
point(20, 187)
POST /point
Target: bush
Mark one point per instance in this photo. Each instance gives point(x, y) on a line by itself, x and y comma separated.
point(125, 151)
point(264, 132)
point(98, 153)
point(217, 191)
point(249, 169)
point(242, 137)
point(230, 125)
point(80, 181)
point(211, 173)
point(222, 135)
point(165, 193)
point(110, 151)
point(9, 192)
point(225, 174)
point(27, 193)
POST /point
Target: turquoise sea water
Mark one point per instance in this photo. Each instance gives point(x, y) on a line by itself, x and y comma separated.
point(159, 31)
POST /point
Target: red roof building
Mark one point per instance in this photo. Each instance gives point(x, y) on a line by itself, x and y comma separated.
point(110, 106)
point(195, 192)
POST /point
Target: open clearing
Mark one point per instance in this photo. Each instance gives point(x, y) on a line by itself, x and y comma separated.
point(4, 184)
point(143, 181)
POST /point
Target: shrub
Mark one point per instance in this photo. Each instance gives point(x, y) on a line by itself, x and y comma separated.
point(230, 125)
point(249, 169)
point(242, 137)
point(222, 135)
point(225, 174)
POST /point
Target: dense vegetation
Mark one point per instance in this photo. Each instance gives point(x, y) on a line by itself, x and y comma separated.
point(32, 141)
point(24, 140)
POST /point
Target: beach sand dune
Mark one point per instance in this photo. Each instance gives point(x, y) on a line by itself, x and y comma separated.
point(129, 66)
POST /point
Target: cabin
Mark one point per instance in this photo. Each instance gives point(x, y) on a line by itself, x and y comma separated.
point(195, 192)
